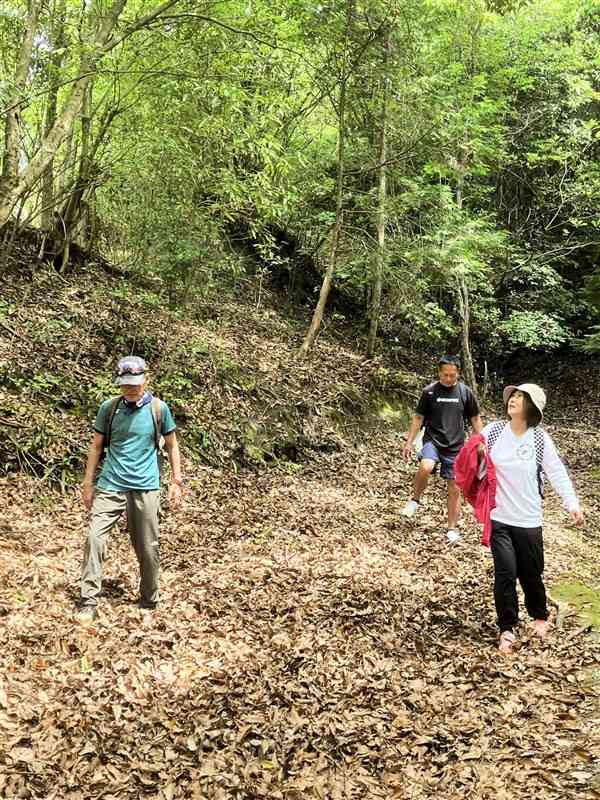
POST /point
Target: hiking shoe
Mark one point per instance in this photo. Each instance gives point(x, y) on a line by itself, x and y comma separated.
point(86, 615)
point(541, 628)
point(144, 605)
point(452, 535)
point(410, 509)
point(506, 643)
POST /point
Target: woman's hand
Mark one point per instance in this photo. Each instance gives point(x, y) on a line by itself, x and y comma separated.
point(577, 518)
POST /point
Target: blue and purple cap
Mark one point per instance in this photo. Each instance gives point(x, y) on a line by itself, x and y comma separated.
point(130, 371)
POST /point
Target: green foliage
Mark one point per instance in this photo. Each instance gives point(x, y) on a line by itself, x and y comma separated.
point(592, 289)
point(585, 599)
point(591, 343)
point(533, 330)
point(6, 309)
point(198, 347)
point(215, 139)
point(430, 324)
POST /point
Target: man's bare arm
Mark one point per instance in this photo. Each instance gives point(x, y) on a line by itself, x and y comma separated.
point(477, 424)
point(172, 448)
point(93, 459)
point(415, 427)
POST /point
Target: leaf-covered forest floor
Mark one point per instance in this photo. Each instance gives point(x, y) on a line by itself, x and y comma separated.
point(310, 642)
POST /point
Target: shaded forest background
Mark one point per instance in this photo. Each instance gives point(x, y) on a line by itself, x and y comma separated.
point(432, 163)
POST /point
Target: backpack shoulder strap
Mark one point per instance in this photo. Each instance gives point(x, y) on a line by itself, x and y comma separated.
point(111, 415)
point(538, 441)
point(494, 433)
point(157, 421)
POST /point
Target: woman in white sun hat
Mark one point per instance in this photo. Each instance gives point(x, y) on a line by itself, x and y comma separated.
point(522, 453)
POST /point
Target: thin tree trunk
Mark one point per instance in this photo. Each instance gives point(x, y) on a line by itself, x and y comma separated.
point(375, 306)
point(56, 60)
point(80, 209)
point(75, 216)
point(12, 124)
point(464, 310)
point(64, 179)
point(464, 305)
point(317, 317)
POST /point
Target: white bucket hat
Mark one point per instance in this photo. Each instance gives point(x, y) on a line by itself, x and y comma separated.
point(535, 392)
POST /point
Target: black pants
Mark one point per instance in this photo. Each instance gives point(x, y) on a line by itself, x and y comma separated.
point(518, 553)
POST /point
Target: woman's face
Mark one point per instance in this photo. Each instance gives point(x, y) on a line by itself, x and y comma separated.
point(516, 405)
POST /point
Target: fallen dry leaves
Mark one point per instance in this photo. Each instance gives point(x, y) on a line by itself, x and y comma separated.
point(310, 643)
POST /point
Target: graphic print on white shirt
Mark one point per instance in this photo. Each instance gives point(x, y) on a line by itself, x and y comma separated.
point(518, 500)
point(526, 451)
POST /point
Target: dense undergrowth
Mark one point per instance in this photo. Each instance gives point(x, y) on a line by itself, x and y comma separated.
point(226, 363)
point(228, 369)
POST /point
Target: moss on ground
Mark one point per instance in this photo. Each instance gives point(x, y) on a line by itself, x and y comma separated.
point(392, 411)
point(583, 598)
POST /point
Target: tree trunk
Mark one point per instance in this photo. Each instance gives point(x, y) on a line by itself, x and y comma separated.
point(74, 222)
point(58, 42)
point(464, 310)
point(12, 124)
point(80, 213)
point(85, 165)
point(103, 42)
point(464, 305)
point(317, 317)
point(375, 305)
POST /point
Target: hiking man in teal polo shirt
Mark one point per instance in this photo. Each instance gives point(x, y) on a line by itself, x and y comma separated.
point(128, 428)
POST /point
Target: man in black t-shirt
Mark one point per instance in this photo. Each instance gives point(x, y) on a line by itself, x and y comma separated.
point(443, 409)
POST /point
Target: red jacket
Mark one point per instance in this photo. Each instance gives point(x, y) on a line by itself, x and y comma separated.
point(480, 492)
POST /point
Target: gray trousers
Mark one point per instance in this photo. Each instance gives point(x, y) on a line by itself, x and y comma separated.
point(142, 522)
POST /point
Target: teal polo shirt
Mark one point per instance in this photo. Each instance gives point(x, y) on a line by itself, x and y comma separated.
point(131, 461)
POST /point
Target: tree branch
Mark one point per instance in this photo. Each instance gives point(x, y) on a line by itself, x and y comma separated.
point(143, 22)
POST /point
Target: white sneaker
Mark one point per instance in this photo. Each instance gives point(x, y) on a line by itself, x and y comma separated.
point(452, 535)
point(410, 509)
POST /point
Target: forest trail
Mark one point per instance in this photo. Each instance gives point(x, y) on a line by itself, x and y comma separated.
point(183, 186)
point(310, 642)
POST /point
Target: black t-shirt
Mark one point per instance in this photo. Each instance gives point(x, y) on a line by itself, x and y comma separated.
point(446, 408)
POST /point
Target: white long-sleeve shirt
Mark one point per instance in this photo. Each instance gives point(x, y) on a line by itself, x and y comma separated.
point(518, 500)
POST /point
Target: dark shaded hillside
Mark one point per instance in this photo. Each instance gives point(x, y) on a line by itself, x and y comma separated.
point(229, 371)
